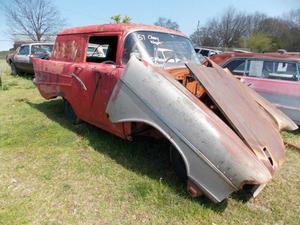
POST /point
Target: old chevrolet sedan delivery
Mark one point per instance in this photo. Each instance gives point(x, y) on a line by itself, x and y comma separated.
point(224, 135)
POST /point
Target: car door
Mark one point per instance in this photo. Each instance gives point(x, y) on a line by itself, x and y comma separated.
point(95, 83)
point(54, 76)
point(21, 59)
point(89, 81)
point(277, 81)
point(94, 80)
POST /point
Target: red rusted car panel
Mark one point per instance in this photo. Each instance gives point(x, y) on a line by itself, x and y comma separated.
point(147, 80)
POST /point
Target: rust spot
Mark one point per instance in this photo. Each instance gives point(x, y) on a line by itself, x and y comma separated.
point(193, 190)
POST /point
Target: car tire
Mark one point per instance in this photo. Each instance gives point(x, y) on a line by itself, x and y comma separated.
point(13, 69)
point(70, 114)
point(178, 163)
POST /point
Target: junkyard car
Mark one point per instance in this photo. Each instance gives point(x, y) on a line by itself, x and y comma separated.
point(223, 135)
point(274, 76)
point(20, 60)
point(206, 51)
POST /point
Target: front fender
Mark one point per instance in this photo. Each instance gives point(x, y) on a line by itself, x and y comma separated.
point(216, 159)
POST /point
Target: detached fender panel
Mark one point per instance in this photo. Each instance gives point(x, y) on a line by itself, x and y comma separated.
point(216, 159)
point(256, 122)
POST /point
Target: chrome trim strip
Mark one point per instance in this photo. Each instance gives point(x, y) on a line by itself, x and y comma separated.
point(80, 81)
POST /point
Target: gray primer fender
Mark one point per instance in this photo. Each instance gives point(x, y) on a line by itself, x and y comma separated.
point(217, 161)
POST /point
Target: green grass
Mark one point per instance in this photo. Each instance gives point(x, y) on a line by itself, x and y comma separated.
point(3, 54)
point(56, 173)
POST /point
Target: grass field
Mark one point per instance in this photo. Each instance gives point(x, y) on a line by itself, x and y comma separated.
point(54, 173)
point(3, 54)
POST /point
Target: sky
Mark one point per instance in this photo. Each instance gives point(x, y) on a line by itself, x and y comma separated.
point(186, 13)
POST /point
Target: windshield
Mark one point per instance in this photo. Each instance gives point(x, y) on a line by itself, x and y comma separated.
point(159, 48)
point(41, 49)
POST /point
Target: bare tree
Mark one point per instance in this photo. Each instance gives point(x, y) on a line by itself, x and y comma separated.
point(233, 29)
point(207, 35)
point(164, 22)
point(254, 23)
point(222, 31)
point(196, 37)
point(231, 26)
point(293, 40)
point(35, 19)
point(294, 17)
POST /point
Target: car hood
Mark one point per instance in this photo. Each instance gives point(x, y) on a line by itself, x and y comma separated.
point(253, 118)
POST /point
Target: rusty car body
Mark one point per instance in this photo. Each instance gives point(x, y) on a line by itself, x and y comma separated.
point(274, 76)
point(225, 134)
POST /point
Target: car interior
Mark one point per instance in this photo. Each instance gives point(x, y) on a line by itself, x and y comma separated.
point(109, 43)
point(279, 70)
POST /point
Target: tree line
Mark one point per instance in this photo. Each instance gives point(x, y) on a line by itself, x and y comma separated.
point(256, 31)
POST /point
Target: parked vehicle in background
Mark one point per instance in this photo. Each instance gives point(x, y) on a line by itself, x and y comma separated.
point(273, 75)
point(223, 135)
point(293, 53)
point(20, 60)
point(201, 58)
point(283, 51)
point(207, 52)
point(238, 50)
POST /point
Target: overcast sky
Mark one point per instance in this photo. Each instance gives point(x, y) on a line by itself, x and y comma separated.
point(186, 13)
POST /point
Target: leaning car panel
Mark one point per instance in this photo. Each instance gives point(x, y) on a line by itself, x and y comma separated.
point(242, 112)
point(217, 160)
point(282, 89)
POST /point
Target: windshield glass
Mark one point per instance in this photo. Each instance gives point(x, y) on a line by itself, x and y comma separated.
point(159, 48)
point(41, 49)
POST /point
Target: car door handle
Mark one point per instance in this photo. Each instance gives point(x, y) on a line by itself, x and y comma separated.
point(77, 69)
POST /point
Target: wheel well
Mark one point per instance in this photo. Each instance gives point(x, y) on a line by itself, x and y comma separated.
point(178, 162)
point(163, 134)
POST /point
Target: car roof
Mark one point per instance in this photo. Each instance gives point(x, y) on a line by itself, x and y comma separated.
point(38, 43)
point(228, 55)
point(122, 27)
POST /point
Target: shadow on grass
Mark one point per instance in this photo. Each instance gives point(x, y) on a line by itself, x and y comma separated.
point(144, 156)
point(243, 195)
point(295, 132)
point(26, 76)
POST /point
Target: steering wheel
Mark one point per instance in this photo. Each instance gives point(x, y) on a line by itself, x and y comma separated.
point(109, 62)
point(168, 59)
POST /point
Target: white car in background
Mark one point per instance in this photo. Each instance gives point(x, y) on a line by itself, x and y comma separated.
point(20, 60)
point(207, 52)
